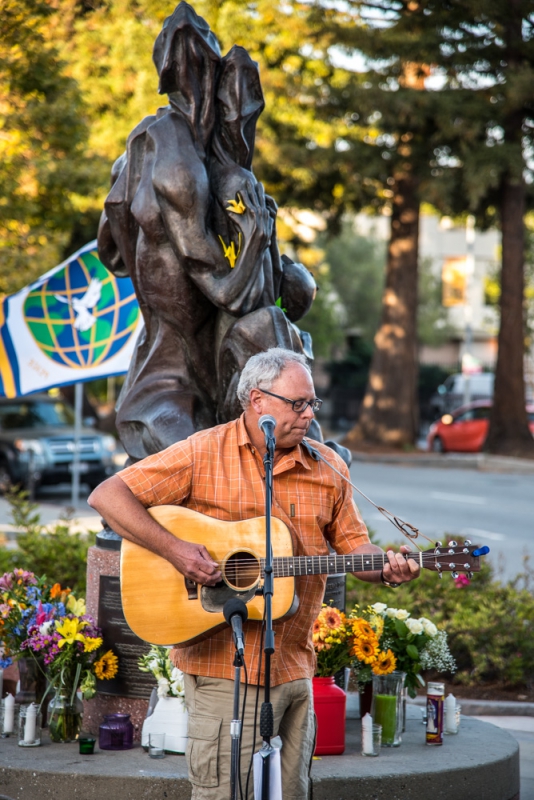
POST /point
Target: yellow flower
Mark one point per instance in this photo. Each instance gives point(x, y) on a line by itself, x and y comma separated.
point(91, 644)
point(385, 663)
point(107, 666)
point(332, 618)
point(365, 650)
point(362, 628)
point(70, 630)
point(377, 623)
point(76, 607)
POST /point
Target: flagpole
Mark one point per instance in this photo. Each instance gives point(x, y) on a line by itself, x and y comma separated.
point(78, 400)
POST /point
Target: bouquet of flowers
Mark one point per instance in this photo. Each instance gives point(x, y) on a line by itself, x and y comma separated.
point(341, 641)
point(371, 656)
point(170, 679)
point(417, 644)
point(21, 594)
point(69, 643)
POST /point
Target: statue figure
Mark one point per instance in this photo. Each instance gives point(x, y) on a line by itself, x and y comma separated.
point(188, 221)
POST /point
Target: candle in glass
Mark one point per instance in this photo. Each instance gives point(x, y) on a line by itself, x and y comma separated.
point(386, 715)
point(9, 714)
point(30, 724)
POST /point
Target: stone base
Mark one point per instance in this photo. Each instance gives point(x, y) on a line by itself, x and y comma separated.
point(94, 710)
point(480, 763)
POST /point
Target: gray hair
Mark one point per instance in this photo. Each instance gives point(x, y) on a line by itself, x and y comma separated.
point(261, 371)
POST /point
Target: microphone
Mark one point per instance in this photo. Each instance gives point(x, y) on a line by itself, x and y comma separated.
point(267, 424)
point(236, 613)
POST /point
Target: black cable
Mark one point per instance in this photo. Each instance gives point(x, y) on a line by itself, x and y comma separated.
point(256, 707)
point(243, 709)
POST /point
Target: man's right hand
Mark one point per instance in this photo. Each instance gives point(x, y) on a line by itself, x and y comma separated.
point(194, 562)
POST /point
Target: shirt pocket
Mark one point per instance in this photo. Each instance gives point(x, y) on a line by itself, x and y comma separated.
point(202, 751)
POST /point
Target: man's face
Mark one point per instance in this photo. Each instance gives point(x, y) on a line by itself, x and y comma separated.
point(295, 383)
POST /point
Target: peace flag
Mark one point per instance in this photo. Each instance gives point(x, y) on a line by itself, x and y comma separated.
point(75, 323)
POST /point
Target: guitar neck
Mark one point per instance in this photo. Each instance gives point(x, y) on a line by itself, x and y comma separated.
point(331, 564)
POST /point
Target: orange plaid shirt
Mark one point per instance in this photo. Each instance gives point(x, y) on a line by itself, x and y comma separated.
point(218, 472)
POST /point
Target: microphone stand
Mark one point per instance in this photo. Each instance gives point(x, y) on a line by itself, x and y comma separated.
point(266, 714)
point(235, 730)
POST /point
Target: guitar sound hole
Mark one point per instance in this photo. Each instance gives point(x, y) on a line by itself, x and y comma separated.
point(242, 570)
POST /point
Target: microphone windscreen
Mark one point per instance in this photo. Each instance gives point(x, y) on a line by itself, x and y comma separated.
point(235, 606)
point(266, 418)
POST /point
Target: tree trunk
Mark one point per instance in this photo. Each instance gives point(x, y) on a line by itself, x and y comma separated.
point(389, 410)
point(509, 433)
point(508, 429)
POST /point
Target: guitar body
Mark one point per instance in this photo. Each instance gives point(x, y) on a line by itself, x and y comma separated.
point(155, 600)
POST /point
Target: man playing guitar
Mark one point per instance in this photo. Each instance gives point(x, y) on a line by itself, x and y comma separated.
point(219, 472)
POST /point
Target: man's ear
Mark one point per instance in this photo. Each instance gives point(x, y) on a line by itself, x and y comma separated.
point(256, 401)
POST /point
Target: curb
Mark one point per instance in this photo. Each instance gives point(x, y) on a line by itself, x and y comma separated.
point(476, 461)
point(487, 708)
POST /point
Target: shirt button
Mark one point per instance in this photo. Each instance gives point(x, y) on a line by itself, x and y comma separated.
point(253, 449)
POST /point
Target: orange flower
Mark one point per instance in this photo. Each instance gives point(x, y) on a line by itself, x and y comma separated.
point(365, 650)
point(332, 618)
point(55, 591)
point(385, 663)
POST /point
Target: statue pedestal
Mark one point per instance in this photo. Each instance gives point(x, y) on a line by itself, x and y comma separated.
point(129, 691)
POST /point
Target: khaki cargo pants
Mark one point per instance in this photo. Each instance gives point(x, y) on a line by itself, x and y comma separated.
point(210, 706)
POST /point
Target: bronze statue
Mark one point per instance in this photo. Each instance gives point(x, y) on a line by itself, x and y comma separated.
point(188, 221)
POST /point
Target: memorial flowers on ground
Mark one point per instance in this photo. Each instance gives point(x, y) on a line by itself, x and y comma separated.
point(342, 641)
point(169, 678)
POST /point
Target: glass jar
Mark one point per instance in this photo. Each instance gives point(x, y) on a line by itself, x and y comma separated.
point(65, 719)
point(116, 732)
point(29, 726)
point(387, 706)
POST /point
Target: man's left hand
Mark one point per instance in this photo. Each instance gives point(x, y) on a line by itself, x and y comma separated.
point(400, 569)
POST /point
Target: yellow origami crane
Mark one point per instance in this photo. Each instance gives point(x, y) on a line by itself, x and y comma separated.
point(238, 207)
point(229, 250)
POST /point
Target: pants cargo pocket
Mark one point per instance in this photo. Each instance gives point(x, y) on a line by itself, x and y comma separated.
point(203, 750)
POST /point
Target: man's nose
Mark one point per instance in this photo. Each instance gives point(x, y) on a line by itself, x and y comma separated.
point(308, 412)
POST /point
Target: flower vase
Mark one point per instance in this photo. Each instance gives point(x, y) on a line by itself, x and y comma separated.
point(329, 703)
point(387, 706)
point(32, 681)
point(365, 691)
point(170, 717)
point(65, 718)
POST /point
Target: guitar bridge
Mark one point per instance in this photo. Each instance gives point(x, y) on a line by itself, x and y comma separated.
point(191, 588)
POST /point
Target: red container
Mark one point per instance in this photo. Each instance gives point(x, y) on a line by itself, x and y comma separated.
point(329, 702)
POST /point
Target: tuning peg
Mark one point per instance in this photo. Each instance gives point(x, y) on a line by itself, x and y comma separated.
point(469, 575)
point(465, 551)
point(453, 543)
point(466, 566)
point(439, 544)
point(468, 541)
point(440, 575)
point(452, 566)
point(454, 575)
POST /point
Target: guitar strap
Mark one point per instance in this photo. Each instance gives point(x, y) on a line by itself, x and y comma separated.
point(406, 528)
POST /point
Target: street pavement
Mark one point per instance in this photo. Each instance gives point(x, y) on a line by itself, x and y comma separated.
point(490, 508)
point(522, 729)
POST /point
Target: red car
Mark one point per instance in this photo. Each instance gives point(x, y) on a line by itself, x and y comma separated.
point(465, 429)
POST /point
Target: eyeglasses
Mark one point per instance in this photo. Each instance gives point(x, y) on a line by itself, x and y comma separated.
point(297, 405)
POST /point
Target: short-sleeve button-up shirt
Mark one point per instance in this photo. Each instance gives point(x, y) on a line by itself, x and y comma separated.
point(218, 472)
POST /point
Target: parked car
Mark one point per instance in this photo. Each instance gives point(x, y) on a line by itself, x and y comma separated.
point(465, 430)
point(37, 441)
point(450, 395)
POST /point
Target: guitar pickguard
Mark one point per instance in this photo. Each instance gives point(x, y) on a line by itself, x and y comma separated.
point(213, 598)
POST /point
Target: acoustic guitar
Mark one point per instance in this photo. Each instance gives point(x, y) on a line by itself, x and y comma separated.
point(161, 607)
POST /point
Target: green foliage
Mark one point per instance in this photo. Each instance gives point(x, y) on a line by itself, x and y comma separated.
point(56, 552)
point(490, 625)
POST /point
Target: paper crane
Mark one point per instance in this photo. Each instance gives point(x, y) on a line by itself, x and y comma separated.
point(81, 305)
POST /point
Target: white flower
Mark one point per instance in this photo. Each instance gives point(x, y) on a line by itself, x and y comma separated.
point(414, 626)
point(177, 674)
point(379, 608)
point(391, 612)
point(429, 627)
point(163, 687)
point(402, 613)
point(44, 629)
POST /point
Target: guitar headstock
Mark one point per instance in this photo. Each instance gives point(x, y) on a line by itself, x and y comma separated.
point(454, 558)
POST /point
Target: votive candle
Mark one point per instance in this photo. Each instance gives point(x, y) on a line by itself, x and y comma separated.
point(9, 713)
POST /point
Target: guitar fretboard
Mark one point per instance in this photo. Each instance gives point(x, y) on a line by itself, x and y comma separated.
point(328, 565)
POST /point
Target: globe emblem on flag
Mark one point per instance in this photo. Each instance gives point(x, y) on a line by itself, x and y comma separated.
point(82, 315)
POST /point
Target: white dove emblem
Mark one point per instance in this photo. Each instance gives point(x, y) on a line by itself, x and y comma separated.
point(81, 305)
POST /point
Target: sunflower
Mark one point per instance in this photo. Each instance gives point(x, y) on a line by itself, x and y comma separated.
point(107, 666)
point(385, 663)
point(365, 649)
point(92, 643)
point(362, 628)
